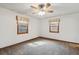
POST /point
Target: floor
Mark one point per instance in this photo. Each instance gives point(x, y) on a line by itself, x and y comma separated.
point(41, 46)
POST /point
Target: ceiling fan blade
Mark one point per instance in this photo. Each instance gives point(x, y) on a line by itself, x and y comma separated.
point(41, 6)
point(50, 11)
point(34, 7)
point(50, 8)
point(48, 5)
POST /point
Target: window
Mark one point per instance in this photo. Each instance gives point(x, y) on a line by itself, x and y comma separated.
point(22, 25)
point(54, 25)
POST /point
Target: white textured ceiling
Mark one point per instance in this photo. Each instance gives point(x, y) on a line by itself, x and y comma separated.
point(59, 9)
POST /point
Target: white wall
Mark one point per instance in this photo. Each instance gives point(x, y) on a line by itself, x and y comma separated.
point(69, 28)
point(8, 29)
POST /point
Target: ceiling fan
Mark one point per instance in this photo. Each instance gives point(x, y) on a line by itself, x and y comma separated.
point(47, 8)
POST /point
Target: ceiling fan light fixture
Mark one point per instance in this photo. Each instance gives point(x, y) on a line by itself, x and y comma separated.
point(41, 13)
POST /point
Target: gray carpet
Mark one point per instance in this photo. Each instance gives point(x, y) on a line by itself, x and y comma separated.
point(41, 46)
